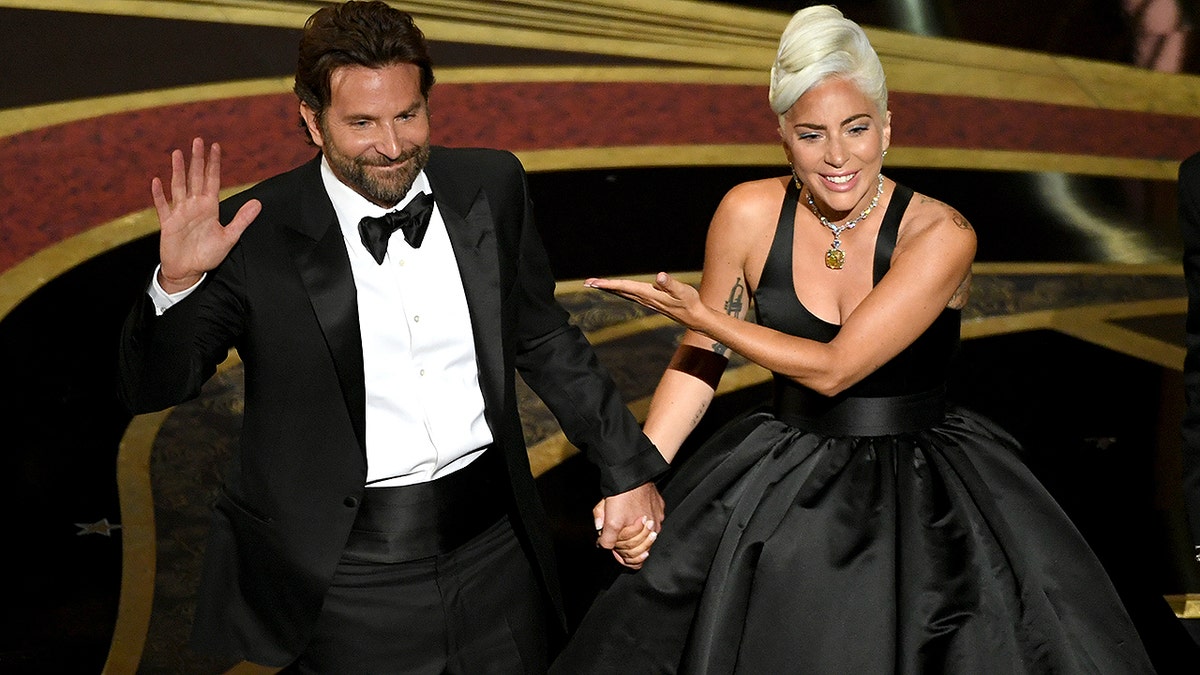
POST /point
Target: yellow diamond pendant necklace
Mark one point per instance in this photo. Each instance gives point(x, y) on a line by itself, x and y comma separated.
point(835, 257)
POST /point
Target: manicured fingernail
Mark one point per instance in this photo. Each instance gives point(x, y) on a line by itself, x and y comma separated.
point(599, 524)
point(653, 535)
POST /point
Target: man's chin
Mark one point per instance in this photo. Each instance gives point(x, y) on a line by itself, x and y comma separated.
point(389, 196)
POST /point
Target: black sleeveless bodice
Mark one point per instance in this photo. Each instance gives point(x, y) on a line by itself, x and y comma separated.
point(908, 390)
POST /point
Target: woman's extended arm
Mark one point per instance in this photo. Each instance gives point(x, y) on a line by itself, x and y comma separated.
point(929, 269)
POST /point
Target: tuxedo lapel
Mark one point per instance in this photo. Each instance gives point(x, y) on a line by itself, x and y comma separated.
point(472, 232)
point(324, 266)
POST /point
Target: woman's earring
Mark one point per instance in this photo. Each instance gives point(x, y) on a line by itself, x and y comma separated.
point(795, 178)
point(885, 153)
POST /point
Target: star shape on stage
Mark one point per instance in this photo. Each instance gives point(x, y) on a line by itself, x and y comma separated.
point(100, 527)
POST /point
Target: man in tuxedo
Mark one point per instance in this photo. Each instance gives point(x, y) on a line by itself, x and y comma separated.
point(380, 514)
point(1189, 224)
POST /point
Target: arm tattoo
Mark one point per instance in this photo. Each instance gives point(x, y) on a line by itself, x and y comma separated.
point(733, 307)
point(961, 294)
point(955, 216)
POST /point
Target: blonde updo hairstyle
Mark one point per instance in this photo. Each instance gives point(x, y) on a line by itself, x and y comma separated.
point(820, 43)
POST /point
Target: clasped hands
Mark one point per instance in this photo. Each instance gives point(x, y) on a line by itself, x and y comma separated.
point(628, 523)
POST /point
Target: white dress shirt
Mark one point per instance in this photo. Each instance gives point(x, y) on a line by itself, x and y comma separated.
point(424, 412)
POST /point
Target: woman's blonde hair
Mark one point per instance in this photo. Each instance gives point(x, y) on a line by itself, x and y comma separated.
point(820, 43)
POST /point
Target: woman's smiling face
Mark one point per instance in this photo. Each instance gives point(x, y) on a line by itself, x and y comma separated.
point(834, 137)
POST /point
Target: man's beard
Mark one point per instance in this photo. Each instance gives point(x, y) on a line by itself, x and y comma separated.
point(386, 189)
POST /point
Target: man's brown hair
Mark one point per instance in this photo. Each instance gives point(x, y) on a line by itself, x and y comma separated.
point(370, 34)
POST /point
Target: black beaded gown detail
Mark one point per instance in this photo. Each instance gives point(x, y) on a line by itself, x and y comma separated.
point(878, 531)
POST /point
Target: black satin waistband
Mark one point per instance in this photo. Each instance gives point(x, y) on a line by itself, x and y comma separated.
point(407, 522)
point(858, 416)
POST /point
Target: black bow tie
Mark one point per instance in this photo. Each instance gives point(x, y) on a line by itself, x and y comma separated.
point(412, 220)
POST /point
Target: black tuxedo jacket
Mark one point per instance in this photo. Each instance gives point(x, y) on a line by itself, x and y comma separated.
point(1189, 223)
point(285, 298)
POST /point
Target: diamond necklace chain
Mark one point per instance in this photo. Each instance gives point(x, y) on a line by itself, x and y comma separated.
point(835, 257)
point(837, 231)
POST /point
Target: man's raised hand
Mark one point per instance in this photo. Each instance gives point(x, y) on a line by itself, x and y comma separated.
point(193, 239)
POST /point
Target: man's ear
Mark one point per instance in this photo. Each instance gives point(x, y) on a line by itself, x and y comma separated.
point(310, 119)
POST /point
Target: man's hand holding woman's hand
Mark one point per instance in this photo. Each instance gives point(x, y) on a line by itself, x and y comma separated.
point(628, 523)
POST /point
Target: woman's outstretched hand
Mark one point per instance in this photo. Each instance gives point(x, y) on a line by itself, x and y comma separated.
point(667, 296)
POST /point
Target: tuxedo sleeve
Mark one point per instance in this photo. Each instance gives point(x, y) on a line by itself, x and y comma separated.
point(1189, 223)
point(165, 359)
point(559, 365)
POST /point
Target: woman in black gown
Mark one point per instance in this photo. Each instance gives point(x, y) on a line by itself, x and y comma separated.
point(861, 524)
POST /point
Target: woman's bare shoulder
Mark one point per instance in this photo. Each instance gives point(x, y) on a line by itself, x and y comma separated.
point(753, 202)
point(929, 217)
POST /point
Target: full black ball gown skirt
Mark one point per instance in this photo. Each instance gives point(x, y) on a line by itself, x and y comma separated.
point(935, 551)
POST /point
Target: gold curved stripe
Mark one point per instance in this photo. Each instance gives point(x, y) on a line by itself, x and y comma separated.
point(770, 154)
point(280, 14)
point(138, 547)
point(942, 66)
point(1095, 324)
point(139, 550)
point(708, 34)
point(23, 279)
point(1094, 269)
point(27, 276)
point(1090, 322)
point(1007, 160)
point(19, 120)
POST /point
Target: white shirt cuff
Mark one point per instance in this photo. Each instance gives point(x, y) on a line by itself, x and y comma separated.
point(163, 300)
